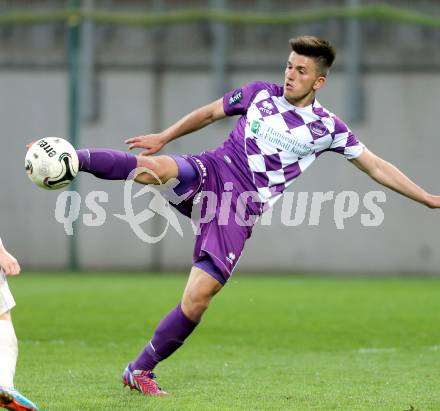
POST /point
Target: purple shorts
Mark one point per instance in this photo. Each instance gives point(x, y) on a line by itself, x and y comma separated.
point(222, 207)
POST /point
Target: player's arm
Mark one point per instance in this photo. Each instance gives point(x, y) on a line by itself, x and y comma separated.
point(390, 176)
point(8, 263)
point(202, 117)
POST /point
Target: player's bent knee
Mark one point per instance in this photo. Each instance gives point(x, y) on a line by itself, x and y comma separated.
point(159, 169)
point(150, 175)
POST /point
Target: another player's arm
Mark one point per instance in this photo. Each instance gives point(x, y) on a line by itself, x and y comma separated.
point(193, 121)
point(8, 263)
point(390, 176)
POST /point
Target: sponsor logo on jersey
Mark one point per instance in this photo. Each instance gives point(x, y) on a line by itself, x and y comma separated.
point(236, 97)
point(255, 127)
point(280, 139)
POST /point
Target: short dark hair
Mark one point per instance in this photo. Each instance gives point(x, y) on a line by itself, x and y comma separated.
point(317, 48)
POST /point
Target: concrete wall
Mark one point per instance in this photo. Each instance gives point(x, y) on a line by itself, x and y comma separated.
point(401, 125)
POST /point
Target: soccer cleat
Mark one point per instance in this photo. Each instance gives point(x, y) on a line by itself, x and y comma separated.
point(143, 381)
point(11, 399)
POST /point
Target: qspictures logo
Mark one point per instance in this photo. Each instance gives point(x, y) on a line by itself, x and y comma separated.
point(296, 208)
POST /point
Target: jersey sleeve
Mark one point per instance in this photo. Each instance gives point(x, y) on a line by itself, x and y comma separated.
point(237, 101)
point(345, 142)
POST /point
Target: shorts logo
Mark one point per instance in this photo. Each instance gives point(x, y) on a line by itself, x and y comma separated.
point(236, 97)
point(318, 129)
point(231, 258)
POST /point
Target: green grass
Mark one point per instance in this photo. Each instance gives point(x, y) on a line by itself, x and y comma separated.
point(266, 343)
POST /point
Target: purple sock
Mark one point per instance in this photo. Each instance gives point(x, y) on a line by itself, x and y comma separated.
point(168, 337)
point(106, 163)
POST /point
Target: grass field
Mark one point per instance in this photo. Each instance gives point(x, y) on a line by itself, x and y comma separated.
point(266, 343)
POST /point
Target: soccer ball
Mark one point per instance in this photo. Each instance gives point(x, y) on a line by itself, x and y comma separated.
point(51, 163)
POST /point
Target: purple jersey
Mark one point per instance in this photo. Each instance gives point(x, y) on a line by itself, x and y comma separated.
point(276, 141)
point(272, 143)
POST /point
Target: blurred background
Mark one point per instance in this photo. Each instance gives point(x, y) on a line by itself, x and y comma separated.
point(98, 71)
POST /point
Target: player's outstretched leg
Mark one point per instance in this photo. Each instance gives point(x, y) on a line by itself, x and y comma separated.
point(111, 164)
point(171, 332)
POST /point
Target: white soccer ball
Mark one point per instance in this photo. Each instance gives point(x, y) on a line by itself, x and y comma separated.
point(51, 163)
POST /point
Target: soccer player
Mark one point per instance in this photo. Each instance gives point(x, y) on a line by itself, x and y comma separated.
point(281, 131)
point(10, 398)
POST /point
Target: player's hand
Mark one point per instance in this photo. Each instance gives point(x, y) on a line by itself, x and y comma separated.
point(8, 263)
point(29, 145)
point(151, 143)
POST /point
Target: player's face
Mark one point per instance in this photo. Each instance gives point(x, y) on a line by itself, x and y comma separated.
point(301, 80)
